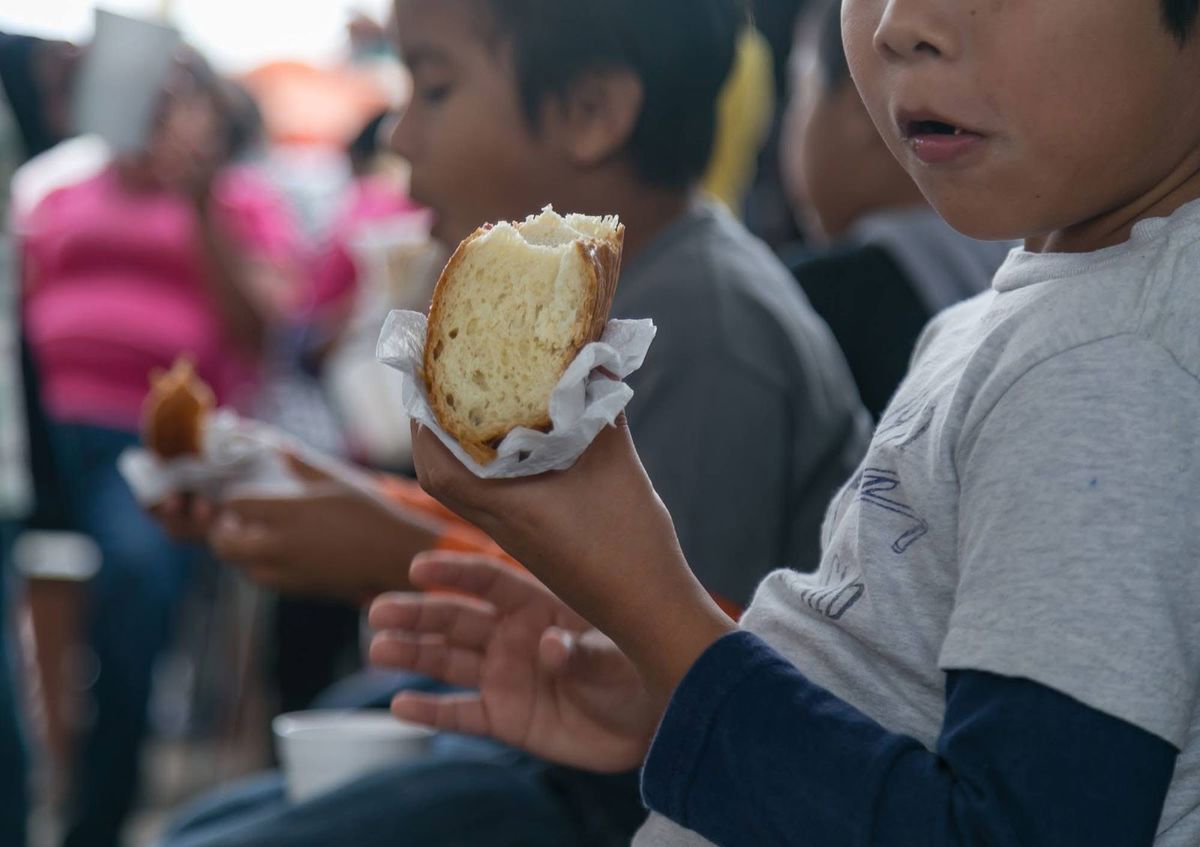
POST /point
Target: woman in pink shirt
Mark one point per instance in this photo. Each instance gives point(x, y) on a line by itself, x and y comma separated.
point(165, 253)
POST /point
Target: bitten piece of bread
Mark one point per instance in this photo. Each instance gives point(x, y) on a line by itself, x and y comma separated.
point(174, 412)
point(513, 308)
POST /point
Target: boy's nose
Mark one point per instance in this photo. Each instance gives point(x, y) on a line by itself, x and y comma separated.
point(398, 135)
point(914, 29)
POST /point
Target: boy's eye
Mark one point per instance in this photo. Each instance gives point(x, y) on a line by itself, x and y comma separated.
point(434, 94)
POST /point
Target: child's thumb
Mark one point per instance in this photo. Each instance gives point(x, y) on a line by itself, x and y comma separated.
point(585, 656)
point(558, 650)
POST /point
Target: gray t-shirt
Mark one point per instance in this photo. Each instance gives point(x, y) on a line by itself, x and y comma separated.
point(745, 414)
point(1027, 508)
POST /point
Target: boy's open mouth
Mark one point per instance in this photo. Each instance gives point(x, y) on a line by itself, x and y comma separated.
point(928, 127)
point(935, 140)
point(926, 123)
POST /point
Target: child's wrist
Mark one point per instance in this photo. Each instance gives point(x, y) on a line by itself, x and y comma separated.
point(644, 596)
point(674, 639)
point(663, 619)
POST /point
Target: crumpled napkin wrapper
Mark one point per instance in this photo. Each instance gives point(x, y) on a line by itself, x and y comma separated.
point(583, 403)
point(238, 456)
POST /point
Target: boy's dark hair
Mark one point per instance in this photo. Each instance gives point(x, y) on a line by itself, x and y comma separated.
point(245, 126)
point(1180, 16)
point(681, 50)
point(239, 113)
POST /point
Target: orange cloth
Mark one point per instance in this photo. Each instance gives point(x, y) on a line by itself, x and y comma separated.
point(456, 535)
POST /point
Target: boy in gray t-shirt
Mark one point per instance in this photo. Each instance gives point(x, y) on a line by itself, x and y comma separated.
point(1001, 643)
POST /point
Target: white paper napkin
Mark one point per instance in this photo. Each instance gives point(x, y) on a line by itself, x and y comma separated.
point(583, 402)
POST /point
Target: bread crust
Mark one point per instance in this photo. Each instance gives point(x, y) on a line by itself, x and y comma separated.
point(602, 260)
point(175, 410)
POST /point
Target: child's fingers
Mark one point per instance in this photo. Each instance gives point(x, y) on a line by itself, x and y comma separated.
point(453, 713)
point(383, 615)
point(266, 577)
point(171, 514)
point(262, 510)
point(500, 584)
point(586, 656)
point(460, 620)
point(172, 506)
point(202, 511)
point(555, 649)
point(427, 655)
point(441, 474)
point(235, 541)
point(186, 517)
point(306, 471)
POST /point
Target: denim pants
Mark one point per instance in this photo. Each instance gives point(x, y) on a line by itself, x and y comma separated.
point(468, 792)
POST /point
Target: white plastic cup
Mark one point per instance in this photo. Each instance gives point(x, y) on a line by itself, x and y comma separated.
point(324, 750)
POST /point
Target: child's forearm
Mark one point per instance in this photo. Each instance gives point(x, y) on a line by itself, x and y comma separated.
point(636, 587)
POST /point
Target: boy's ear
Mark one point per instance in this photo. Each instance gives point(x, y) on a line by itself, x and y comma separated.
point(595, 118)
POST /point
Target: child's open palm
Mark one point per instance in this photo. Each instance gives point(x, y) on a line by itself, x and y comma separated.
point(542, 678)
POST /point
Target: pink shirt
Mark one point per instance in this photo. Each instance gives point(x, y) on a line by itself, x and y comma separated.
point(115, 287)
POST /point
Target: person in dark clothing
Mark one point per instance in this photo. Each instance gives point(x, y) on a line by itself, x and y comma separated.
point(35, 79)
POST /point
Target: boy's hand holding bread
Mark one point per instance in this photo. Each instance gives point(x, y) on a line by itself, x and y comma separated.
point(511, 311)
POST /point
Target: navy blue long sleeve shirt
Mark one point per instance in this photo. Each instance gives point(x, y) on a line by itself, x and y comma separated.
point(750, 752)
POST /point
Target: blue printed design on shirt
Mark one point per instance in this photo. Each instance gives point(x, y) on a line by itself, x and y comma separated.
point(875, 484)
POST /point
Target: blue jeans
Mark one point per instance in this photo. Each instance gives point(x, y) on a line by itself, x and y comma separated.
point(14, 790)
point(131, 606)
point(468, 792)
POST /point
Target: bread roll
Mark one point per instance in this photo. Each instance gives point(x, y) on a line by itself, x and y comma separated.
point(513, 308)
point(174, 412)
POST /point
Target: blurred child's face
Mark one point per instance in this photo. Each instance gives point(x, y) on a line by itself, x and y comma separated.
point(799, 143)
point(190, 131)
point(188, 137)
point(835, 167)
point(1019, 118)
point(474, 157)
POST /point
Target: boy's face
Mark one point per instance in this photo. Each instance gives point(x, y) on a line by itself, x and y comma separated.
point(1068, 110)
point(474, 158)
